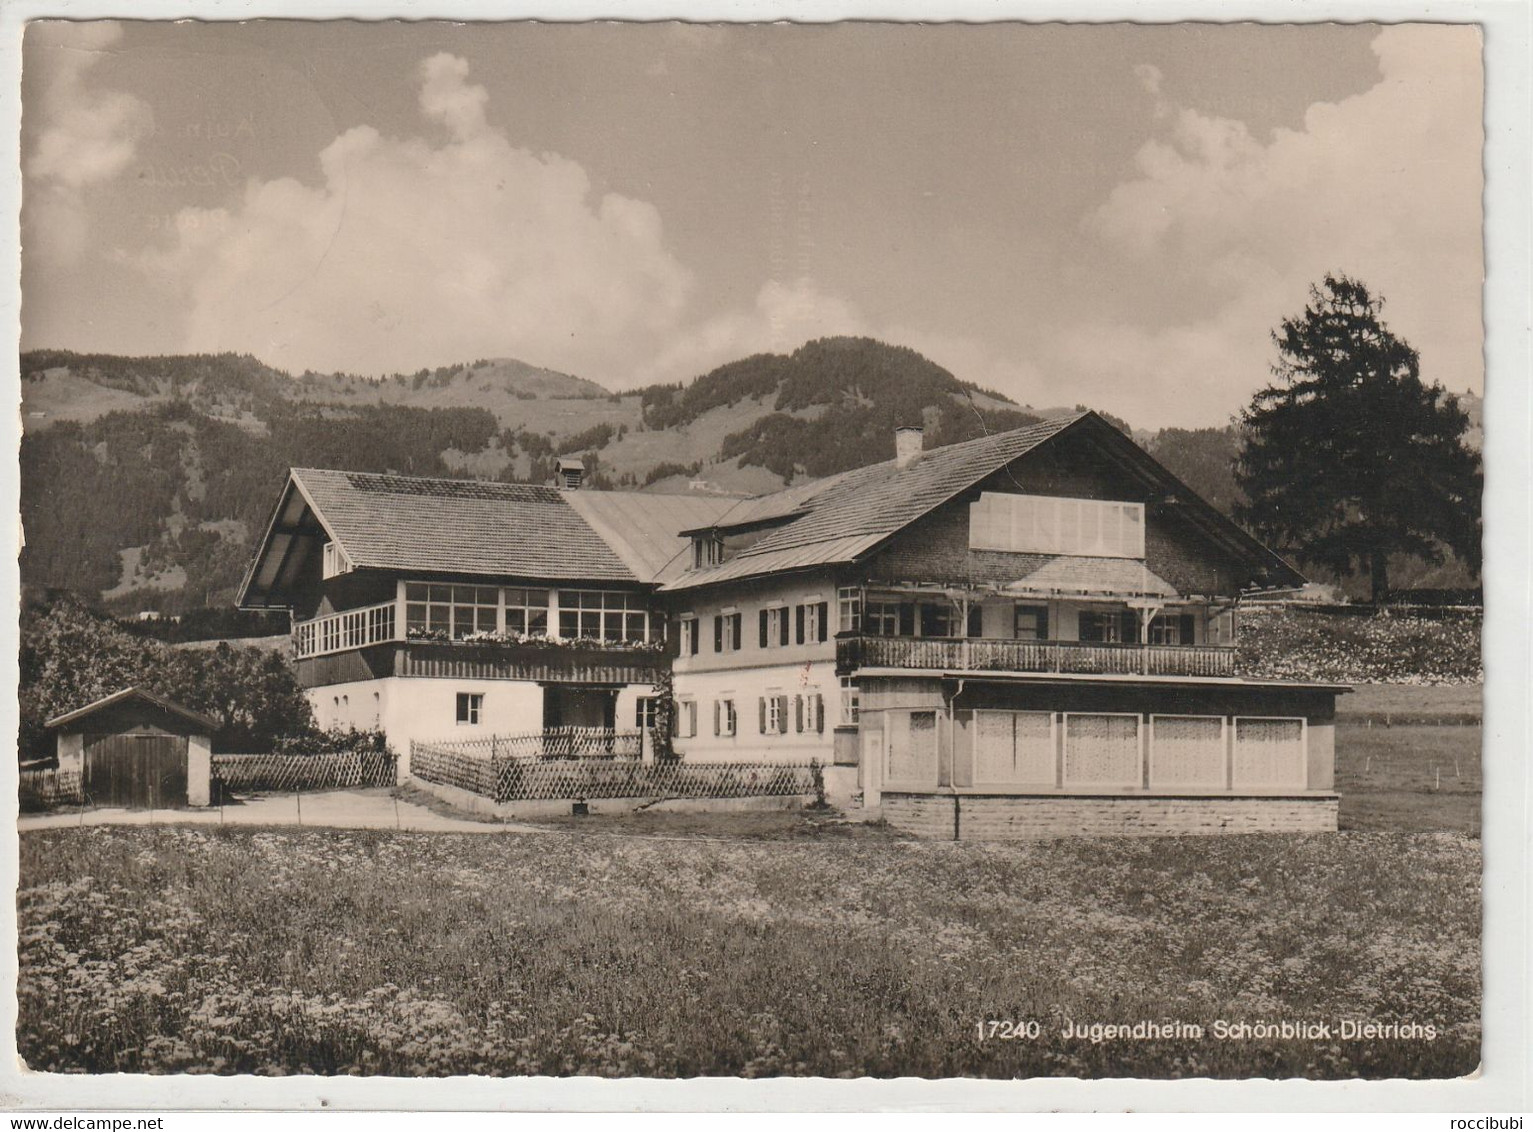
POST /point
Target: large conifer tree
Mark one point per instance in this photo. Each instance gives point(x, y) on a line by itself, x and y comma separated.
point(1349, 457)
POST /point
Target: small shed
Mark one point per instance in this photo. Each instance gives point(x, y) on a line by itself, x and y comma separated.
point(136, 749)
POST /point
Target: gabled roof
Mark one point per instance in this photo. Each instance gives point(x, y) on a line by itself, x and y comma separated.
point(469, 528)
point(847, 516)
point(134, 693)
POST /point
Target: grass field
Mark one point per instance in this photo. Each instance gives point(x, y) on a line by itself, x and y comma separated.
point(1415, 778)
point(295, 951)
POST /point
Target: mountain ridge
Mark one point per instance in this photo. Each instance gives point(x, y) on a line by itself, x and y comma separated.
point(144, 480)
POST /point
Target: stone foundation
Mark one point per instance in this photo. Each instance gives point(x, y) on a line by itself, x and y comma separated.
point(1001, 817)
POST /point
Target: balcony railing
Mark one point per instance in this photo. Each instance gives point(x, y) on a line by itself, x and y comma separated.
point(999, 655)
point(352, 629)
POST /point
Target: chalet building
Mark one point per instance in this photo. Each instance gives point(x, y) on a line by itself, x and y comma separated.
point(1030, 633)
point(443, 608)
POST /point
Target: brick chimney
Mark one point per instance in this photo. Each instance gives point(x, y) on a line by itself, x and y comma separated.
point(571, 472)
point(907, 445)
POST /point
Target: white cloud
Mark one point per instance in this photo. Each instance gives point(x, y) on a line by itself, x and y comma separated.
point(88, 135)
point(1384, 186)
point(412, 254)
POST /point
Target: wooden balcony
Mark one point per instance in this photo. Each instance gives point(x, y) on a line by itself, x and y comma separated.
point(369, 643)
point(979, 654)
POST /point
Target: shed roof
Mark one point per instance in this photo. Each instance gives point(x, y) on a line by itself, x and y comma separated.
point(126, 695)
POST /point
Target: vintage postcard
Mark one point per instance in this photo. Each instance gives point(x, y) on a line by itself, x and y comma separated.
point(849, 551)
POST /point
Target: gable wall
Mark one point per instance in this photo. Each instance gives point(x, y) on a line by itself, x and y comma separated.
point(936, 548)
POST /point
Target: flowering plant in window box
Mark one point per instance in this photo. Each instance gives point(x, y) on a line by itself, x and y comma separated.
point(537, 640)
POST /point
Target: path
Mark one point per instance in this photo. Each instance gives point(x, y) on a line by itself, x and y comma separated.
point(371, 808)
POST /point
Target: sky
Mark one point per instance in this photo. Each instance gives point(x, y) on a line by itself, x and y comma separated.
point(1109, 215)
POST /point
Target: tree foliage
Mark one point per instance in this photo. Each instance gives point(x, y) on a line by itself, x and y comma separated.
point(72, 656)
point(1349, 456)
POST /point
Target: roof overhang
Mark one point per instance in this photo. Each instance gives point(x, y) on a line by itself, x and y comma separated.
point(125, 695)
point(294, 532)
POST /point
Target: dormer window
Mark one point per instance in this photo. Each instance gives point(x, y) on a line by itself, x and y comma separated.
point(336, 561)
point(707, 550)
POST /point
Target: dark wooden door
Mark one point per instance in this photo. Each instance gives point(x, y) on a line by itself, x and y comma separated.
point(137, 771)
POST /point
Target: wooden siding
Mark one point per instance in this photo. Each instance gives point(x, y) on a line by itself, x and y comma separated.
point(539, 664)
point(141, 770)
point(936, 548)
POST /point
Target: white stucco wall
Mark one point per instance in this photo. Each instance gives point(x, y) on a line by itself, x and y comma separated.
point(746, 686)
point(199, 770)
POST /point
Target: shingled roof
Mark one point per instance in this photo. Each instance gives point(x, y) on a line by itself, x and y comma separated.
point(441, 526)
point(843, 516)
point(846, 516)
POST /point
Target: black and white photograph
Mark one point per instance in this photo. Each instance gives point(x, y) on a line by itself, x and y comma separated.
point(857, 550)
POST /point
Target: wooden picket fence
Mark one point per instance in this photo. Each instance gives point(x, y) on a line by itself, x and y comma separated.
point(508, 779)
point(45, 787)
point(290, 773)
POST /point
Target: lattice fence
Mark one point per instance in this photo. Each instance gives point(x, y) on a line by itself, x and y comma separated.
point(472, 769)
point(523, 779)
point(49, 786)
point(332, 771)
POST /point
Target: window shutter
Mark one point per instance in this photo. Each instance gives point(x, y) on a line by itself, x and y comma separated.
point(798, 622)
point(819, 713)
point(763, 628)
point(907, 619)
point(1129, 630)
point(739, 628)
point(761, 708)
point(824, 620)
point(716, 714)
point(798, 713)
point(782, 714)
point(785, 627)
point(718, 633)
point(1187, 631)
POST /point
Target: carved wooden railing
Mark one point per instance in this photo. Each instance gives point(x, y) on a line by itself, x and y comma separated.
point(956, 654)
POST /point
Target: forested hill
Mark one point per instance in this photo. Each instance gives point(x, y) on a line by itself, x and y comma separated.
point(144, 480)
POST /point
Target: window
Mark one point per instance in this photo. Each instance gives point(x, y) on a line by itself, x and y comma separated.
point(1031, 623)
point(527, 612)
point(646, 710)
point(1013, 748)
point(707, 550)
point(689, 635)
point(941, 619)
point(1102, 750)
point(1174, 629)
point(686, 719)
point(725, 721)
point(1269, 754)
point(849, 609)
point(336, 561)
point(726, 631)
point(470, 705)
point(453, 611)
point(1187, 751)
point(774, 715)
point(1044, 524)
point(887, 617)
point(849, 701)
point(913, 751)
point(810, 622)
point(1109, 627)
point(774, 627)
point(605, 615)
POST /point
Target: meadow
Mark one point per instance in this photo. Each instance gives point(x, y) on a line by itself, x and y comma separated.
point(586, 952)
